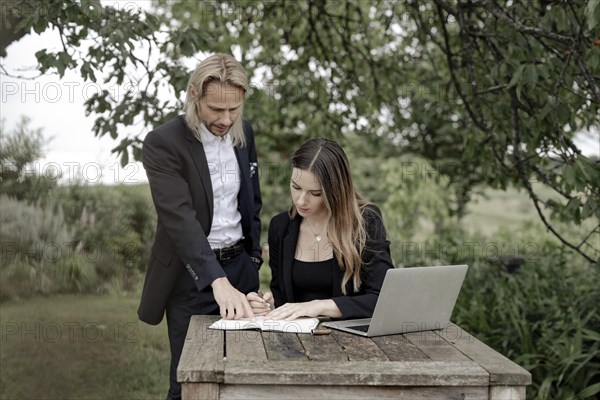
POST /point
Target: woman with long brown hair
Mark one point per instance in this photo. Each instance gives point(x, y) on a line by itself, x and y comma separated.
point(329, 253)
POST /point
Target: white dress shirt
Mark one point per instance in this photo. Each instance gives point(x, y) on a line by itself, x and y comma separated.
point(226, 228)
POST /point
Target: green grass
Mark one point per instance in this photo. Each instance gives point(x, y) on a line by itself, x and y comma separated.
point(81, 347)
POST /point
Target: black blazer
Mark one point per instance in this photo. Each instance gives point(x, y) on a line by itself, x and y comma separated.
point(181, 188)
point(283, 236)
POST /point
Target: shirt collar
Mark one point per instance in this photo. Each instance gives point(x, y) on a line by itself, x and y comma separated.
point(208, 138)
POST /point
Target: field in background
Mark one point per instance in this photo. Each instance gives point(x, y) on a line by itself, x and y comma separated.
point(81, 347)
point(496, 209)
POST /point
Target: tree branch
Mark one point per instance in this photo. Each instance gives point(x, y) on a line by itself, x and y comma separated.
point(588, 236)
point(448, 52)
point(501, 15)
point(589, 77)
point(523, 177)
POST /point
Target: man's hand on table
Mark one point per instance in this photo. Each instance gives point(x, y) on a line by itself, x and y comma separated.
point(232, 303)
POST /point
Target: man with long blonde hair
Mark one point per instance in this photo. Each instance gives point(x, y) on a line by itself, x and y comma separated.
point(203, 175)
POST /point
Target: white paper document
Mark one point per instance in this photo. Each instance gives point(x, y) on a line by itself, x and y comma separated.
point(300, 325)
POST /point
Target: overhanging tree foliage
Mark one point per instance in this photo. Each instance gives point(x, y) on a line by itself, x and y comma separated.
point(490, 92)
point(524, 81)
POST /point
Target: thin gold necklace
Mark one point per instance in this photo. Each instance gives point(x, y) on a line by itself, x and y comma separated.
point(316, 235)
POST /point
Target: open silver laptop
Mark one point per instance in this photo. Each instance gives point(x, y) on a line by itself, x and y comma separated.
point(411, 300)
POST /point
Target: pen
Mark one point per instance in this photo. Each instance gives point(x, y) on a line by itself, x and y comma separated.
point(261, 295)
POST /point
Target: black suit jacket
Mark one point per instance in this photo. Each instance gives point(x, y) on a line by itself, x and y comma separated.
point(283, 236)
point(181, 188)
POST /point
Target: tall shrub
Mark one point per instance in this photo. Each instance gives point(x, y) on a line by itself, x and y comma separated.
point(38, 252)
point(20, 176)
point(544, 315)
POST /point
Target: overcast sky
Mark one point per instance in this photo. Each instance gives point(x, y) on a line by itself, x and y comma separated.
point(56, 106)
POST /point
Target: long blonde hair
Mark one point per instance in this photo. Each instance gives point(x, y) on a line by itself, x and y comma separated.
point(221, 68)
point(345, 223)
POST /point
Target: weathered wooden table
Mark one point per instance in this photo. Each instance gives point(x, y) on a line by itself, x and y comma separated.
point(445, 364)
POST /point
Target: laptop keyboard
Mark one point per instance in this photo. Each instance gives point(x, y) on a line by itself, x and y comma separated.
point(362, 328)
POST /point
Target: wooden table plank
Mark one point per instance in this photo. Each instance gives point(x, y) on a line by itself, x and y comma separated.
point(507, 393)
point(398, 348)
point(502, 370)
point(359, 348)
point(283, 346)
point(296, 392)
point(202, 356)
point(422, 365)
point(384, 373)
point(322, 348)
point(244, 346)
point(435, 347)
point(200, 391)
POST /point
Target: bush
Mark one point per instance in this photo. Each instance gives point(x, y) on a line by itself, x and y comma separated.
point(38, 256)
point(77, 275)
point(17, 279)
point(113, 225)
point(544, 315)
point(19, 149)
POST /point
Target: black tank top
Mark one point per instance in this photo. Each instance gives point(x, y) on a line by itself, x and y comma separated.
point(313, 280)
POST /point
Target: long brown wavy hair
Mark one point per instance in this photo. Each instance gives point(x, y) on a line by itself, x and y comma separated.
point(326, 160)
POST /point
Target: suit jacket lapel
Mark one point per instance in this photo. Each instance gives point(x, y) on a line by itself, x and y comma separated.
point(199, 157)
point(289, 250)
point(246, 191)
point(197, 151)
point(244, 164)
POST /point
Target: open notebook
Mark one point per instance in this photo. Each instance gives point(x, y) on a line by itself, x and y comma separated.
point(300, 325)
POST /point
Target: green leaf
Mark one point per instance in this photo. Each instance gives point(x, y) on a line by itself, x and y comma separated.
point(561, 18)
point(516, 76)
point(40, 26)
point(572, 205)
point(568, 79)
point(594, 389)
point(124, 158)
point(62, 62)
point(40, 55)
point(546, 110)
point(552, 204)
point(564, 113)
point(568, 174)
point(587, 170)
point(588, 209)
point(594, 60)
point(120, 35)
point(591, 335)
point(530, 74)
point(542, 69)
point(592, 12)
point(137, 153)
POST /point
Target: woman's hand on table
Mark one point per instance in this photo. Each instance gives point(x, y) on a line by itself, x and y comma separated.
point(313, 308)
point(261, 304)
